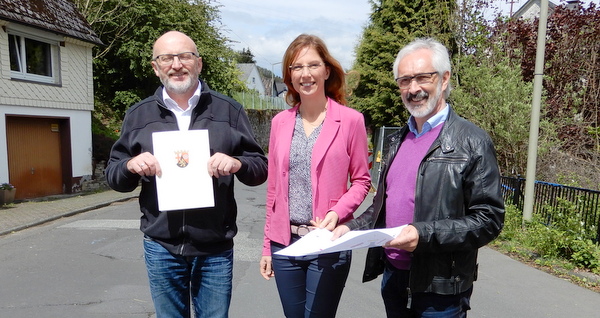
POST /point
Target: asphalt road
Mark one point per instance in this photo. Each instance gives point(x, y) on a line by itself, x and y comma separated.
point(91, 265)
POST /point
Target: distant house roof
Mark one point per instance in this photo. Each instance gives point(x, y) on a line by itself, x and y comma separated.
point(531, 9)
point(246, 69)
point(280, 88)
point(59, 16)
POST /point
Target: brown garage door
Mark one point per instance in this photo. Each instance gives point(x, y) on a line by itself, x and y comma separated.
point(34, 156)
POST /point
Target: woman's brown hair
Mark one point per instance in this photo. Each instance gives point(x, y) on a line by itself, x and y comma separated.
point(335, 85)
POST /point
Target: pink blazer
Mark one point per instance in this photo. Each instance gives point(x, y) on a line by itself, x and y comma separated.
point(340, 154)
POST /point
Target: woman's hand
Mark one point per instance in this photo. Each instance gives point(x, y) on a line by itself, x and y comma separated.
point(339, 231)
point(329, 222)
point(266, 267)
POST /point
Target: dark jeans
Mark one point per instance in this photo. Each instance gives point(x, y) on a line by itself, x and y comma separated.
point(427, 305)
point(310, 286)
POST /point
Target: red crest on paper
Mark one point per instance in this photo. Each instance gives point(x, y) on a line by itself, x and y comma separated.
point(183, 158)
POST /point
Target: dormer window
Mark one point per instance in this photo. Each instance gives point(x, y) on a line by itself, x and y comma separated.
point(33, 59)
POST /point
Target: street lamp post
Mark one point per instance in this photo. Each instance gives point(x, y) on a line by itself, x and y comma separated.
point(273, 87)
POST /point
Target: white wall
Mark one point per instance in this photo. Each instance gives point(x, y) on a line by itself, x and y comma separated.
point(257, 84)
point(72, 98)
point(75, 91)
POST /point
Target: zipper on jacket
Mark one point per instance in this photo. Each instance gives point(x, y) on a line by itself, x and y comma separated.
point(451, 159)
point(409, 298)
point(456, 277)
point(184, 241)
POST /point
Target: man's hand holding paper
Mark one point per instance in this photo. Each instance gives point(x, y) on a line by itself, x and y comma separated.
point(319, 241)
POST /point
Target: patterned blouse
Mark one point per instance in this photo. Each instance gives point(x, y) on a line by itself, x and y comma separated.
point(300, 187)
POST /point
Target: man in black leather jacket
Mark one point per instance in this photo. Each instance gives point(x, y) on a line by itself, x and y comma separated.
point(188, 253)
point(441, 178)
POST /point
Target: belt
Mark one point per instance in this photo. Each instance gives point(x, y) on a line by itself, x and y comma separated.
point(302, 229)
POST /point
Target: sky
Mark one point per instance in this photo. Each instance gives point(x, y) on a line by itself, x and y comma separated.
point(267, 27)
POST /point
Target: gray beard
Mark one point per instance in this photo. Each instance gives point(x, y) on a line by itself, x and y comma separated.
point(179, 88)
point(427, 109)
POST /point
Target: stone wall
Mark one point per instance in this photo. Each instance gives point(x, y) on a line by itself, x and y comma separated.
point(261, 124)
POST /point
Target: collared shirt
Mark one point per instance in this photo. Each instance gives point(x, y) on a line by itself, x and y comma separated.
point(431, 123)
point(183, 116)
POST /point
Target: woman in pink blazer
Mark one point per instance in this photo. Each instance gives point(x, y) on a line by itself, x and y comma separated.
point(318, 176)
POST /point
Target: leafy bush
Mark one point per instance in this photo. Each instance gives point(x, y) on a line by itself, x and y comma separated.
point(586, 253)
point(558, 234)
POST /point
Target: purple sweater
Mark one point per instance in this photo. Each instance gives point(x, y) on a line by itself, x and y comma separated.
point(401, 183)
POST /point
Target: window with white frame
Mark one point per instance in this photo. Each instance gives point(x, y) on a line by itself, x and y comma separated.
point(33, 59)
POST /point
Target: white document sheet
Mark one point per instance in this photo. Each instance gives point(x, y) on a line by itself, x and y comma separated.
point(319, 241)
point(183, 157)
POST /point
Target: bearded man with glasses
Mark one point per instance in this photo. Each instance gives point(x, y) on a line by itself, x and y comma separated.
point(188, 253)
point(440, 178)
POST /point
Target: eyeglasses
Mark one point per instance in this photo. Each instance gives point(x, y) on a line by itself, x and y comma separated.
point(167, 59)
point(311, 67)
point(421, 79)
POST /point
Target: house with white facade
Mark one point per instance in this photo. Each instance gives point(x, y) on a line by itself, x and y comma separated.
point(531, 9)
point(46, 97)
point(251, 76)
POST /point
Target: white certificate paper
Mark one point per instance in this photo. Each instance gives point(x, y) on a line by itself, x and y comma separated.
point(319, 241)
point(183, 157)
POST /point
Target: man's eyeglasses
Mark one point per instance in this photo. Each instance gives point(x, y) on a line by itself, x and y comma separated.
point(421, 79)
point(311, 67)
point(184, 58)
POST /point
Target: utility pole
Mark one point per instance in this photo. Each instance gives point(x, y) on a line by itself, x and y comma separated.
point(511, 6)
point(535, 112)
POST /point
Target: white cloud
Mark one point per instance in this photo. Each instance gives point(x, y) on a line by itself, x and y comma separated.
point(268, 26)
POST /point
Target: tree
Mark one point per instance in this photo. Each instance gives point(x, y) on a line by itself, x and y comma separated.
point(490, 90)
point(245, 56)
point(493, 95)
point(571, 85)
point(393, 24)
point(122, 71)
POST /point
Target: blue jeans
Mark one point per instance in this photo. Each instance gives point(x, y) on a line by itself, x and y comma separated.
point(310, 286)
point(175, 279)
point(427, 305)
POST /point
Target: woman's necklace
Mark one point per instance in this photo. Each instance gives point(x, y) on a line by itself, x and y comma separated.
point(310, 126)
point(317, 121)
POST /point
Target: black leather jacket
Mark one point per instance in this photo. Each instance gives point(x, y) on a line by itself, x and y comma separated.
point(458, 207)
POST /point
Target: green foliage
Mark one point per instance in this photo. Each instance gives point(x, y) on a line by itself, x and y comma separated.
point(393, 24)
point(585, 253)
point(123, 74)
point(491, 93)
point(244, 56)
point(513, 222)
point(557, 235)
point(571, 82)
point(124, 99)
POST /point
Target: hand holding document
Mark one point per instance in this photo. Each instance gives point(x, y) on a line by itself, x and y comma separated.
point(183, 158)
point(319, 241)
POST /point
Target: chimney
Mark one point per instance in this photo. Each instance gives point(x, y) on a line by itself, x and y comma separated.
point(573, 4)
